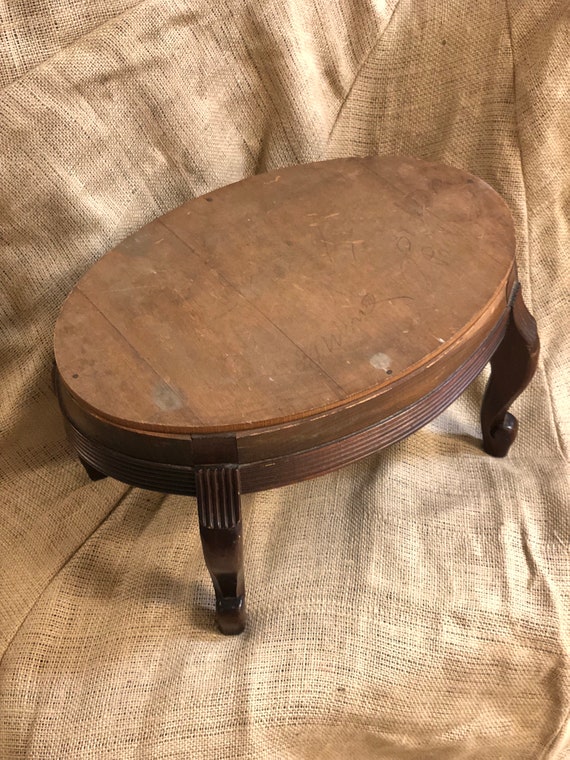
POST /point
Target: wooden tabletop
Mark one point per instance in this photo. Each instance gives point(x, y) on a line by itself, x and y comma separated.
point(284, 295)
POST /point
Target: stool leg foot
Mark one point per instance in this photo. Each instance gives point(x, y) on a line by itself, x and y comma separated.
point(93, 473)
point(218, 494)
point(512, 367)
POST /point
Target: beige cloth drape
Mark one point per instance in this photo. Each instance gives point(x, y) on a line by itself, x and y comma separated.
point(412, 606)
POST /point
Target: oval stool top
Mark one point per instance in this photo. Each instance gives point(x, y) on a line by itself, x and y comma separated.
point(284, 295)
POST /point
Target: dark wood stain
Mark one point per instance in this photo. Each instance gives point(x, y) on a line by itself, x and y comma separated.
point(286, 325)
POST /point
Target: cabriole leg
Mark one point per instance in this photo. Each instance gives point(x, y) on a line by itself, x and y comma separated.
point(512, 366)
point(218, 494)
point(93, 473)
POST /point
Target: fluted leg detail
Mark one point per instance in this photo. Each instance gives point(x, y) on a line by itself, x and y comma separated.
point(218, 494)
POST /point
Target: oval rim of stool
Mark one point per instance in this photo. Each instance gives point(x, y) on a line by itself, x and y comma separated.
point(361, 395)
point(158, 475)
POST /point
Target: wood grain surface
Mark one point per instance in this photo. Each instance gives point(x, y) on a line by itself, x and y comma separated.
point(285, 295)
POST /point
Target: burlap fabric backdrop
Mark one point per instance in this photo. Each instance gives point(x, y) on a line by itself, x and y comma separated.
point(414, 605)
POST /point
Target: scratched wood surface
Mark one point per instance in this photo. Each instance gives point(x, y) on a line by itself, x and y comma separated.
point(285, 294)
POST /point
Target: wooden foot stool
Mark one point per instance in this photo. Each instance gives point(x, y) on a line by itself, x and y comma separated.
point(286, 325)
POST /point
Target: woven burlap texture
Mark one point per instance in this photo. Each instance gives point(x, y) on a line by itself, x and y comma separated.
point(412, 606)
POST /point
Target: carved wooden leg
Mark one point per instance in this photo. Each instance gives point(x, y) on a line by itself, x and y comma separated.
point(512, 366)
point(217, 491)
point(91, 471)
